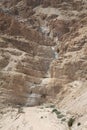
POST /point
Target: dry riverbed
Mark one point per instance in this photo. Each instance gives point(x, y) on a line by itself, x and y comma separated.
point(31, 118)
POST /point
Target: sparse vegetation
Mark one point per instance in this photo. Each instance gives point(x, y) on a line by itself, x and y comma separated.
point(71, 121)
point(56, 111)
point(64, 119)
point(41, 117)
point(79, 124)
point(60, 116)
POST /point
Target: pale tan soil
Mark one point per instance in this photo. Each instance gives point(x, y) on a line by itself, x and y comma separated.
point(34, 118)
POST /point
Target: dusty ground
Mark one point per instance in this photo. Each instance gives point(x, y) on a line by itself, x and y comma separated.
point(34, 118)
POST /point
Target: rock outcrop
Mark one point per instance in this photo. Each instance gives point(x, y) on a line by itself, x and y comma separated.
point(26, 55)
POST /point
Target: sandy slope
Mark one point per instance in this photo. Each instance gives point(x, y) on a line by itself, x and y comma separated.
point(34, 118)
point(37, 118)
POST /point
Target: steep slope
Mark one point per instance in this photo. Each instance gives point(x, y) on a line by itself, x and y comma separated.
point(24, 64)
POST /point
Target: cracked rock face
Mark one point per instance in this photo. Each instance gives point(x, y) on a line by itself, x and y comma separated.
point(24, 64)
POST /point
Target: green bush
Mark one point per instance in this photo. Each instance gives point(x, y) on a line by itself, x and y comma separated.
point(79, 124)
point(60, 116)
point(64, 119)
point(71, 121)
point(56, 111)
